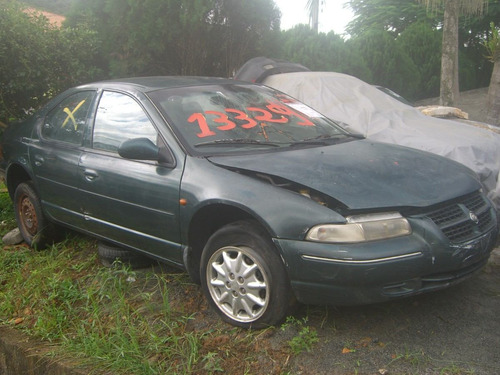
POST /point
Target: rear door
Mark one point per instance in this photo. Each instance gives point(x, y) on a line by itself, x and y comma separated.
point(56, 154)
point(132, 202)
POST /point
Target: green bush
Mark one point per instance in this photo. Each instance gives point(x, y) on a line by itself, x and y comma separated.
point(38, 60)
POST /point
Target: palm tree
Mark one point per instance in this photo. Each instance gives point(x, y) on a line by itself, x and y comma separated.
point(313, 8)
point(449, 88)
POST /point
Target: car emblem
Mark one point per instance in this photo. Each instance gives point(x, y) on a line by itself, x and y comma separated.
point(473, 217)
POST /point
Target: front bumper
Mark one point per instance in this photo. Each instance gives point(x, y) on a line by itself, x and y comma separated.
point(363, 273)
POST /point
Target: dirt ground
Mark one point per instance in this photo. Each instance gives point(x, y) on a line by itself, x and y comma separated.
point(473, 102)
point(456, 331)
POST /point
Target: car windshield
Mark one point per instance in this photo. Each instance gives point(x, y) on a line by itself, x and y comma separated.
point(230, 118)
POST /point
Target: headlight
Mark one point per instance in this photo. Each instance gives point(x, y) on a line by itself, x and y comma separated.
point(361, 228)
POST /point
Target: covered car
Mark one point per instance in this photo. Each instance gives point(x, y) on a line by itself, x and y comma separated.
point(365, 109)
point(259, 197)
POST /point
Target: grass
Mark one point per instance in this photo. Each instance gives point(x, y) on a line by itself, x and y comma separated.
point(7, 220)
point(122, 335)
point(117, 320)
point(454, 369)
point(414, 358)
point(112, 319)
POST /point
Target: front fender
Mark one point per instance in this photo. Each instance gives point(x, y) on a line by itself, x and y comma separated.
point(284, 213)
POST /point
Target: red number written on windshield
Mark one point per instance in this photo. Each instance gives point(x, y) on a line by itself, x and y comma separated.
point(264, 116)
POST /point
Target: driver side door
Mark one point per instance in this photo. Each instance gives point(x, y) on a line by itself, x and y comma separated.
point(131, 202)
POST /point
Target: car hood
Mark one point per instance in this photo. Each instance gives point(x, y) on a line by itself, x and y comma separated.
point(364, 109)
point(364, 174)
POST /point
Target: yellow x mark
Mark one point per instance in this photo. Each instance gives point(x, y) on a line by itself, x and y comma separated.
point(71, 114)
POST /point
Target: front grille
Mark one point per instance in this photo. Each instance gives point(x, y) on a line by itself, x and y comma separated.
point(457, 220)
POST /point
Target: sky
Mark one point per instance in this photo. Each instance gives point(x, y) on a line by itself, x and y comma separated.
point(332, 16)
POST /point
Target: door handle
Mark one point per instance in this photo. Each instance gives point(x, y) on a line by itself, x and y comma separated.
point(90, 175)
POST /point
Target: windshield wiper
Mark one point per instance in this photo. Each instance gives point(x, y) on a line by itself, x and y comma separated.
point(237, 141)
point(320, 140)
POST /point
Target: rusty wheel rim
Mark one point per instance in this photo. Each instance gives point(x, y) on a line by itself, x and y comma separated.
point(27, 214)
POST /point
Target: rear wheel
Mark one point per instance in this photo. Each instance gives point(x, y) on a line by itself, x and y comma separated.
point(35, 229)
point(243, 276)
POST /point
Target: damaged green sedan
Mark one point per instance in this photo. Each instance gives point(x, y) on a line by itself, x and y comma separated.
point(260, 198)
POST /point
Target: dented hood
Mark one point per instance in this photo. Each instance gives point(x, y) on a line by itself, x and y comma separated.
point(364, 174)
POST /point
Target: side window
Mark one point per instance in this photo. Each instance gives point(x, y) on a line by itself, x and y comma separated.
point(66, 122)
point(119, 118)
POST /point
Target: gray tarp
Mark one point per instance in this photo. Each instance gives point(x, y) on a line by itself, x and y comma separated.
point(365, 109)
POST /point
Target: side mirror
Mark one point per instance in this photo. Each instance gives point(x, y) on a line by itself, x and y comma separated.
point(144, 149)
point(139, 149)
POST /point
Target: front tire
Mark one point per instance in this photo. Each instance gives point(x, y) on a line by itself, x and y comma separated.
point(244, 278)
point(35, 229)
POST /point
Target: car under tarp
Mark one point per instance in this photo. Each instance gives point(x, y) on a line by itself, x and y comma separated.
point(258, 69)
point(364, 109)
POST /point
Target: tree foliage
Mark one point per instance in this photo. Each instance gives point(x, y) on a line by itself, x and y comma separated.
point(393, 43)
point(244, 29)
point(37, 59)
point(464, 6)
point(62, 7)
point(393, 16)
point(449, 84)
point(191, 37)
point(422, 44)
point(389, 64)
point(492, 46)
point(397, 16)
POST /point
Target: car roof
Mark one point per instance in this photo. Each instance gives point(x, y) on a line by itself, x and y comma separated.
point(146, 84)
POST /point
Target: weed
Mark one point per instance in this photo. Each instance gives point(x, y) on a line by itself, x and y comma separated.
point(349, 347)
point(212, 363)
point(306, 337)
point(7, 220)
point(414, 358)
point(453, 369)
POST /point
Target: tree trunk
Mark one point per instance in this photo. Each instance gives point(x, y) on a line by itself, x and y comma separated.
point(314, 14)
point(449, 92)
point(493, 105)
